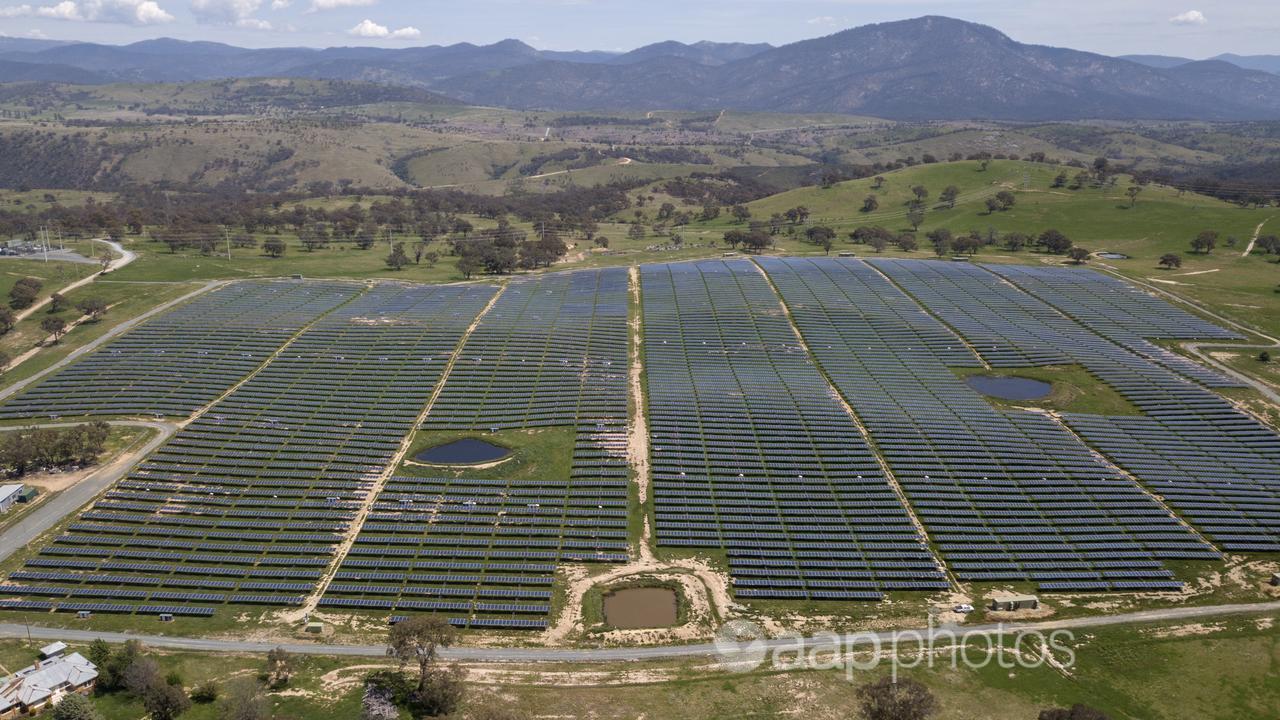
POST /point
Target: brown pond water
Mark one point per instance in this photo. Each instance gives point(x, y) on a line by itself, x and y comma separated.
point(640, 608)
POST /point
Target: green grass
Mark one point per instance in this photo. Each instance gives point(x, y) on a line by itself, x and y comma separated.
point(127, 301)
point(1075, 390)
point(542, 454)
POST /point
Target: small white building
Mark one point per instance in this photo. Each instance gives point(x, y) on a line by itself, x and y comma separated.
point(41, 686)
point(9, 496)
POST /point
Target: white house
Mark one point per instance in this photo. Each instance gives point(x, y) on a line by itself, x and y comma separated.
point(33, 689)
point(8, 496)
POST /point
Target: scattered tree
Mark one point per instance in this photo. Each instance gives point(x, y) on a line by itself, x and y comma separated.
point(94, 307)
point(419, 640)
point(949, 195)
point(7, 320)
point(397, 259)
point(1054, 241)
point(273, 247)
point(1075, 712)
point(24, 292)
point(1078, 255)
point(279, 667)
point(915, 217)
point(905, 699)
point(1132, 192)
point(55, 326)
point(870, 204)
point(1170, 261)
point(1205, 242)
point(57, 302)
point(244, 701)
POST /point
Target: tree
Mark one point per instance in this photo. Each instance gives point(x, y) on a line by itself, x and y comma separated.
point(94, 307)
point(921, 193)
point(441, 694)
point(905, 699)
point(397, 259)
point(1132, 192)
point(941, 240)
point(419, 640)
point(469, 265)
point(906, 242)
point(1078, 255)
point(1060, 180)
point(279, 667)
point(1205, 242)
point(55, 326)
point(1170, 261)
point(243, 701)
point(24, 292)
point(1006, 199)
point(7, 320)
point(57, 302)
point(992, 205)
point(822, 236)
point(273, 247)
point(741, 213)
point(636, 232)
point(915, 217)
point(1015, 241)
point(75, 707)
point(163, 699)
point(871, 204)
point(949, 195)
point(1054, 241)
point(877, 182)
point(1264, 356)
point(205, 693)
point(5, 359)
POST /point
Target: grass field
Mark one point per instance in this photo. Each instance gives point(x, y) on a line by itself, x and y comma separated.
point(1130, 672)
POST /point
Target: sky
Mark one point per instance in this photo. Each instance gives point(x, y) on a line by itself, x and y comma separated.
point(1188, 28)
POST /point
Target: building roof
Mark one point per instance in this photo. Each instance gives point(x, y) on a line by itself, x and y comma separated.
point(8, 491)
point(52, 649)
point(36, 684)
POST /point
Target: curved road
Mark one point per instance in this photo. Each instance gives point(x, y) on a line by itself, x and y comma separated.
point(629, 654)
point(49, 514)
point(126, 257)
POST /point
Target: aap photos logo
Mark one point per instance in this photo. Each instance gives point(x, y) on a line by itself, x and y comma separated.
point(740, 646)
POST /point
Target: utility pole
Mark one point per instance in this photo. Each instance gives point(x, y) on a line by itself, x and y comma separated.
point(227, 234)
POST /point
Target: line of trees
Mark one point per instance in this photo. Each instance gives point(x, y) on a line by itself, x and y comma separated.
point(24, 451)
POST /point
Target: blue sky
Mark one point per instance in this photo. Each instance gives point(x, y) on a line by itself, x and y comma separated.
point(1192, 28)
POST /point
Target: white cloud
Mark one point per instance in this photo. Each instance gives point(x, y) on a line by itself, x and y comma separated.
point(130, 12)
point(1190, 17)
point(229, 12)
point(370, 29)
point(318, 5)
point(280, 4)
point(822, 20)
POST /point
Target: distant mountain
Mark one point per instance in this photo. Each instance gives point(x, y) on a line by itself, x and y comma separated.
point(703, 53)
point(921, 69)
point(1265, 63)
point(14, 72)
point(927, 68)
point(13, 44)
point(1157, 61)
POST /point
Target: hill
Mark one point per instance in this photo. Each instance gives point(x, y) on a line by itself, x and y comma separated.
point(927, 68)
point(921, 69)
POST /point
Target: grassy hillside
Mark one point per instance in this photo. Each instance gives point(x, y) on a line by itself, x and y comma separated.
point(1163, 220)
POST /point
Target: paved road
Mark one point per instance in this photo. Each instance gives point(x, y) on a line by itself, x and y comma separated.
point(943, 637)
point(125, 258)
point(51, 512)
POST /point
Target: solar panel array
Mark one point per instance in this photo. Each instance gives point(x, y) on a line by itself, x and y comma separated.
point(1215, 465)
point(247, 504)
point(186, 358)
point(552, 351)
point(752, 453)
point(1005, 496)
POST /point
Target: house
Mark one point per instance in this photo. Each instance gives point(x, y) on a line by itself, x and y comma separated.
point(53, 650)
point(1015, 602)
point(33, 689)
point(1275, 579)
point(8, 496)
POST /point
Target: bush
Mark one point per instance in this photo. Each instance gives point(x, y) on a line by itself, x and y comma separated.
point(205, 693)
point(75, 707)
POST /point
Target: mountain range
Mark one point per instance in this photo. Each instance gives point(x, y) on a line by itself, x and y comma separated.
point(926, 68)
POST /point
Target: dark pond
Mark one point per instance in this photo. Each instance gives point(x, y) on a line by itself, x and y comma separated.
point(468, 451)
point(1010, 388)
point(640, 608)
point(1113, 256)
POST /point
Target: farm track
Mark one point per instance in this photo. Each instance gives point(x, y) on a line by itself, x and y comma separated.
point(941, 636)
